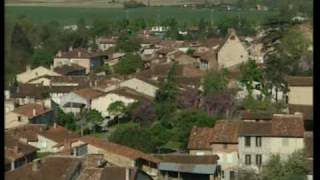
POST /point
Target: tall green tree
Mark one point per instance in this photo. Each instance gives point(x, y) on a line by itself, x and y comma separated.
point(129, 64)
point(215, 81)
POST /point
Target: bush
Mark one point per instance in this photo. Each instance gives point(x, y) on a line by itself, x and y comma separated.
point(133, 4)
point(128, 64)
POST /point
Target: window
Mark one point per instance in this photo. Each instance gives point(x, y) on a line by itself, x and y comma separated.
point(258, 86)
point(19, 118)
point(258, 159)
point(232, 175)
point(258, 141)
point(248, 159)
point(247, 141)
point(285, 141)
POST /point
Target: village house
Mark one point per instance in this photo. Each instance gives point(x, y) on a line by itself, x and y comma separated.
point(231, 52)
point(300, 90)
point(115, 154)
point(125, 95)
point(78, 100)
point(85, 58)
point(141, 85)
point(114, 58)
point(283, 135)
point(29, 113)
point(27, 133)
point(106, 43)
point(70, 70)
point(189, 167)
point(48, 138)
point(30, 74)
point(17, 153)
point(221, 140)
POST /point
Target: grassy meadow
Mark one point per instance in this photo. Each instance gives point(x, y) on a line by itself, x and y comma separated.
point(70, 15)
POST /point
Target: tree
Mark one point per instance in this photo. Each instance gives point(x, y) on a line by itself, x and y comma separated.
point(42, 57)
point(128, 43)
point(116, 109)
point(250, 73)
point(188, 99)
point(66, 120)
point(129, 64)
point(293, 168)
point(166, 95)
point(143, 112)
point(215, 81)
point(132, 135)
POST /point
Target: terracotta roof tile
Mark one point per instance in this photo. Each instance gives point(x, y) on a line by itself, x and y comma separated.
point(262, 115)
point(29, 109)
point(89, 93)
point(226, 131)
point(287, 125)
point(51, 168)
point(59, 134)
point(200, 138)
point(117, 148)
point(28, 131)
point(14, 149)
point(255, 129)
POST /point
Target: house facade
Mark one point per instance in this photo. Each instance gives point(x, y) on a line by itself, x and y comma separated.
point(232, 52)
point(259, 140)
point(82, 57)
point(300, 90)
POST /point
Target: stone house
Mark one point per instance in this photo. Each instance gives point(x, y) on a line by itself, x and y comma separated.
point(82, 57)
point(221, 140)
point(29, 113)
point(30, 74)
point(259, 140)
point(231, 52)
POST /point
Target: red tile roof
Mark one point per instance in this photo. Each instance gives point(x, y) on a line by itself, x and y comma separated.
point(14, 149)
point(89, 93)
point(287, 125)
point(29, 110)
point(200, 138)
point(117, 148)
point(59, 134)
point(28, 131)
point(51, 168)
point(226, 131)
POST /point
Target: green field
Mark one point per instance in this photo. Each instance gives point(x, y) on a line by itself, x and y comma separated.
point(70, 15)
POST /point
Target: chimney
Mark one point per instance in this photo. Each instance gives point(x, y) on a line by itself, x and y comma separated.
point(95, 83)
point(59, 53)
point(51, 67)
point(79, 53)
point(90, 83)
point(34, 112)
point(55, 125)
point(127, 173)
point(36, 164)
point(28, 68)
point(70, 48)
point(89, 49)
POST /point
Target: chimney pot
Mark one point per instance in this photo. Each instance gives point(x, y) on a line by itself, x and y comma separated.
point(70, 48)
point(28, 68)
point(59, 53)
point(79, 54)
